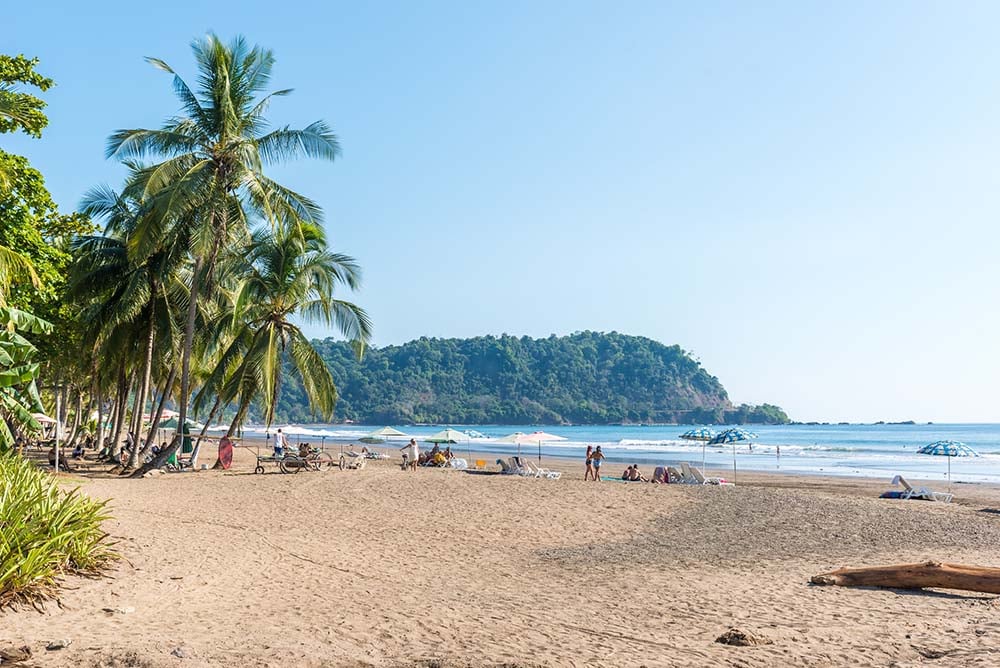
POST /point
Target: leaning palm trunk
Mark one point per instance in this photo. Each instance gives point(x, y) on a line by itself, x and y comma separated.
point(201, 436)
point(143, 390)
point(154, 425)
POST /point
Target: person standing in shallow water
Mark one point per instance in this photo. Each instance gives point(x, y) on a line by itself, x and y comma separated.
point(590, 463)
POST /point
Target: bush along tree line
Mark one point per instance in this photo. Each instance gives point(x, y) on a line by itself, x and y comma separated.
point(584, 378)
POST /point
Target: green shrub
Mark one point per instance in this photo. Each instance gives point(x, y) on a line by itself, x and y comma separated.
point(45, 532)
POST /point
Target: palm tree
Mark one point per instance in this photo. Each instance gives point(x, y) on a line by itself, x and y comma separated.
point(211, 178)
point(288, 273)
point(135, 298)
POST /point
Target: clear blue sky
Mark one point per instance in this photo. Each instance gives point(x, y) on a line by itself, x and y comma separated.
point(804, 194)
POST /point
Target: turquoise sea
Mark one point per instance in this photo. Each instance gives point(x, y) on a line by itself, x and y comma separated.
point(866, 450)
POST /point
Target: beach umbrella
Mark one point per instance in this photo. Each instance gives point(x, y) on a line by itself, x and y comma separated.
point(948, 449)
point(42, 418)
point(450, 435)
point(534, 438)
point(383, 434)
point(699, 434)
point(703, 434)
point(734, 436)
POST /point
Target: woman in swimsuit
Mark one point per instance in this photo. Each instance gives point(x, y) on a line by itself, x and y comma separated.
point(590, 465)
point(595, 459)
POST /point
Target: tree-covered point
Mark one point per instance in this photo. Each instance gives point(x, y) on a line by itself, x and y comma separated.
point(585, 378)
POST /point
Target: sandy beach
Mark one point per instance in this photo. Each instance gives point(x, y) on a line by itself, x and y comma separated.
point(381, 567)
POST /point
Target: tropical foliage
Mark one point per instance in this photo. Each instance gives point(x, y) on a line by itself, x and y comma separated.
point(586, 378)
point(44, 532)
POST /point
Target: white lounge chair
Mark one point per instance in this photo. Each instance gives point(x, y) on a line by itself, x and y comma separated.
point(700, 479)
point(911, 492)
point(541, 472)
point(521, 465)
point(674, 476)
point(458, 463)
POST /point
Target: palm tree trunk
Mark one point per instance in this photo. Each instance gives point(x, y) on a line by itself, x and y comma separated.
point(143, 389)
point(154, 425)
point(188, 346)
point(125, 383)
point(241, 414)
point(78, 409)
point(100, 419)
point(208, 422)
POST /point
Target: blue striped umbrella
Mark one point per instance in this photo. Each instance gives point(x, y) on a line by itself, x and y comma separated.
point(948, 449)
point(699, 434)
point(734, 436)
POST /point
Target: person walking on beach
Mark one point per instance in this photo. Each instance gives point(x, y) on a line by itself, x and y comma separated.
point(590, 463)
point(279, 445)
point(595, 459)
point(410, 451)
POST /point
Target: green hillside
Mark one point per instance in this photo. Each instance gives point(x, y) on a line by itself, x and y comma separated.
point(584, 378)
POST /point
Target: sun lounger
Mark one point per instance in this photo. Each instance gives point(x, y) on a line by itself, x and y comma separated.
point(506, 468)
point(674, 476)
point(521, 465)
point(540, 472)
point(458, 463)
point(700, 479)
point(920, 493)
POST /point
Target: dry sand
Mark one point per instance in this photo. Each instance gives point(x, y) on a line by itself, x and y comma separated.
point(440, 568)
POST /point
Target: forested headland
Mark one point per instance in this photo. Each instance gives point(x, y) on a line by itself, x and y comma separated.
point(584, 378)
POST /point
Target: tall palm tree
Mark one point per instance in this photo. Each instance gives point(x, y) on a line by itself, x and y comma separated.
point(211, 175)
point(288, 274)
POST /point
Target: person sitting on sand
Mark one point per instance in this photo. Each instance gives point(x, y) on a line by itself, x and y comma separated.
point(596, 458)
point(627, 474)
point(635, 476)
point(78, 451)
point(63, 464)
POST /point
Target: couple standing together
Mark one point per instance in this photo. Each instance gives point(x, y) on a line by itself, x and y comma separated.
point(594, 459)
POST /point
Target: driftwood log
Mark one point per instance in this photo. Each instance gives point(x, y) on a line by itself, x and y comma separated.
point(916, 576)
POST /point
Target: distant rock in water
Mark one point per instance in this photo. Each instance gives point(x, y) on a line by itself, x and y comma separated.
point(584, 378)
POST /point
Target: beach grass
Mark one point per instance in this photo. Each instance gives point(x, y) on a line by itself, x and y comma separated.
point(45, 531)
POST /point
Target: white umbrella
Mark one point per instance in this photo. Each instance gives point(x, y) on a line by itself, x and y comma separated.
point(534, 438)
point(42, 418)
point(383, 434)
point(450, 435)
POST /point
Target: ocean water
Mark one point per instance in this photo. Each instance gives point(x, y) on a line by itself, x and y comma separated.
point(850, 450)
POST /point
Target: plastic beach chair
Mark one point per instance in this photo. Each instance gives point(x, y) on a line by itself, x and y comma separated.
point(540, 472)
point(911, 492)
point(700, 479)
point(674, 476)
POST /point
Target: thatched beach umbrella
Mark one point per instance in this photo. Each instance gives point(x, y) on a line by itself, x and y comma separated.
point(948, 449)
point(734, 435)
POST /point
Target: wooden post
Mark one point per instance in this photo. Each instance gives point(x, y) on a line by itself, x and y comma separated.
point(916, 576)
